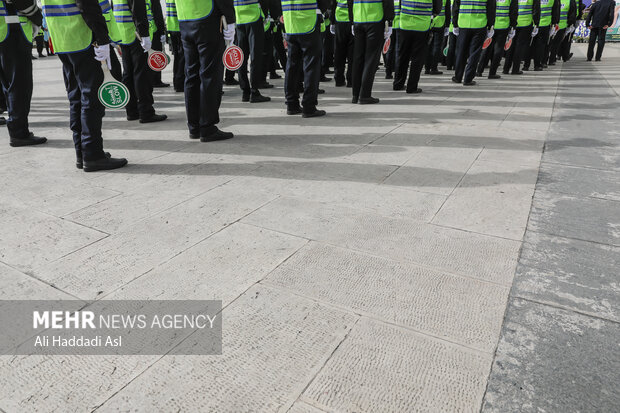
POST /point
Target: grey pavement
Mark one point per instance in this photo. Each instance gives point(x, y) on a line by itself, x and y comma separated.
point(453, 251)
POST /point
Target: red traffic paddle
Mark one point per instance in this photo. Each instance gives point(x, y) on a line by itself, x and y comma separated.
point(386, 45)
point(157, 61)
point(233, 55)
point(487, 42)
point(508, 44)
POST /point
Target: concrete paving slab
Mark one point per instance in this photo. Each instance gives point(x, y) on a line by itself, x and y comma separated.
point(15, 285)
point(274, 343)
point(303, 407)
point(554, 360)
point(384, 368)
point(457, 309)
point(574, 274)
point(582, 182)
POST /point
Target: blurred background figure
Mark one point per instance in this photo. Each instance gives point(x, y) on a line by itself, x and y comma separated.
point(601, 16)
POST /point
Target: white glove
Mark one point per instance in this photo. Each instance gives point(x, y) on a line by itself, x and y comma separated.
point(387, 33)
point(553, 31)
point(163, 39)
point(571, 29)
point(446, 32)
point(146, 43)
point(332, 29)
point(535, 31)
point(490, 32)
point(512, 33)
point(102, 54)
point(229, 33)
point(455, 31)
point(352, 30)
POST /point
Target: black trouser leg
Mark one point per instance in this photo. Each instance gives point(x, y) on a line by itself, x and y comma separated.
point(419, 48)
point(521, 43)
point(16, 79)
point(499, 40)
point(203, 46)
point(157, 45)
point(311, 47)
point(554, 47)
point(601, 43)
point(462, 52)
point(278, 46)
point(83, 76)
point(136, 78)
point(564, 50)
point(390, 57)
point(434, 51)
point(251, 38)
point(366, 54)
point(343, 53)
point(294, 71)
point(473, 53)
point(267, 55)
point(539, 46)
point(178, 66)
point(404, 50)
point(117, 70)
point(451, 57)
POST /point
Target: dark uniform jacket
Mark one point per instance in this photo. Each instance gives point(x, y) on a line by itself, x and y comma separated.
point(26, 8)
point(601, 14)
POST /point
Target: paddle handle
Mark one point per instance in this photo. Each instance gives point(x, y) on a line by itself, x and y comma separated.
point(107, 76)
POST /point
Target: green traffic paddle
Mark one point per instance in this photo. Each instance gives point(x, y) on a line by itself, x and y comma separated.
point(112, 93)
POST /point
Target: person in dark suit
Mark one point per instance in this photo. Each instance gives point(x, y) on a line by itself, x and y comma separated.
point(601, 16)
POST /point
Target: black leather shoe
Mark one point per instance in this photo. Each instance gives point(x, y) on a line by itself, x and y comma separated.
point(179, 90)
point(455, 80)
point(368, 101)
point(495, 77)
point(389, 76)
point(194, 136)
point(293, 110)
point(471, 83)
point(414, 91)
point(354, 99)
point(258, 98)
point(340, 84)
point(154, 118)
point(520, 72)
point(217, 136)
point(231, 82)
point(245, 97)
point(31, 140)
point(104, 164)
point(162, 84)
point(398, 87)
point(321, 91)
point(132, 117)
point(265, 85)
point(435, 72)
point(526, 69)
point(538, 69)
point(551, 63)
point(80, 165)
point(325, 79)
point(2, 121)
point(315, 114)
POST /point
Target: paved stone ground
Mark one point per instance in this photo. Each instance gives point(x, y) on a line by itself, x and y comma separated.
point(365, 259)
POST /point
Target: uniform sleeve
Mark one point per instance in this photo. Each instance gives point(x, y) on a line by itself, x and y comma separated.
point(93, 17)
point(324, 6)
point(513, 12)
point(555, 12)
point(536, 12)
point(572, 13)
point(437, 5)
point(29, 9)
point(448, 14)
point(455, 13)
point(388, 10)
point(610, 14)
point(138, 14)
point(350, 8)
point(592, 11)
point(158, 15)
point(226, 9)
point(491, 11)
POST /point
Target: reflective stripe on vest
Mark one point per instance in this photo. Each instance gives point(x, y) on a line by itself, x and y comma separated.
point(124, 22)
point(342, 11)
point(525, 13)
point(396, 21)
point(416, 15)
point(440, 19)
point(299, 16)
point(368, 11)
point(247, 11)
point(66, 26)
point(546, 7)
point(473, 14)
point(564, 8)
point(25, 23)
point(190, 10)
point(502, 14)
point(172, 18)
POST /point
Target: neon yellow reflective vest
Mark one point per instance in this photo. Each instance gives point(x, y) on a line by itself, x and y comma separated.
point(106, 9)
point(564, 8)
point(247, 11)
point(190, 10)
point(546, 8)
point(299, 16)
point(416, 15)
point(368, 11)
point(396, 21)
point(342, 11)
point(26, 25)
point(67, 28)
point(440, 19)
point(525, 13)
point(124, 22)
point(502, 14)
point(473, 14)
point(172, 18)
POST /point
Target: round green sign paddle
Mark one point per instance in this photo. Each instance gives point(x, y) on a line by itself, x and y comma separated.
point(445, 50)
point(112, 93)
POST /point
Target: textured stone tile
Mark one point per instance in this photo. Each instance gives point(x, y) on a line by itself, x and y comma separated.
point(446, 249)
point(493, 198)
point(274, 343)
point(303, 407)
point(435, 170)
point(581, 218)
point(30, 239)
point(15, 285)
point(104, 267)
point(584, 152)
point(382, 368)
point(570, 273)
point(583, 182)
point(554, 360)
point(219, 268)
point(458, 309)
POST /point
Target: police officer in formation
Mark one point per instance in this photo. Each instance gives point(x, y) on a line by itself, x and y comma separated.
point(343, 44)
point(528, 19)
point(439, 30)
point(505, 21)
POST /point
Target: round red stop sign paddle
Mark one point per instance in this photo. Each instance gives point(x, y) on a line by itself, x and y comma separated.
point(233, 57)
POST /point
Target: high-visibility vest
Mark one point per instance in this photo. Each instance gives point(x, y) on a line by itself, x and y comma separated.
point(564, 8)
point(546, 7)
point(124, 22)
point(66, 26)
point(440, 19)
point(150, 17)
point(25, 23)
point(502, 14)
point(525, 13)
point(190, 10)
point(110, 21)
point(416, 15)
point(368, 11)
point(342, 11)
point(247, 11)
point(172, 19)
point(299, 16)
point(473, 14)
point(396, 21)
